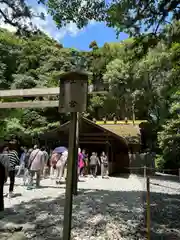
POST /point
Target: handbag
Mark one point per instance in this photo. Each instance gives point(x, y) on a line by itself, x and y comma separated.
point(105, 162)
point(55, 160)
point(33, 160)
point(106, 165)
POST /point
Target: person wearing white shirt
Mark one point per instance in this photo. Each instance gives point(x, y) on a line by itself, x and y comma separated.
point(60, 166)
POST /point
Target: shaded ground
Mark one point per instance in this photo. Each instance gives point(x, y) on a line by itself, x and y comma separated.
point(104, 209)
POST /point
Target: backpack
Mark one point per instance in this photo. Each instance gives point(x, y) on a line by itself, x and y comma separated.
point(54, 159)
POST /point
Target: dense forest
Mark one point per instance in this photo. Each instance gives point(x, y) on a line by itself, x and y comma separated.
point(142, 75)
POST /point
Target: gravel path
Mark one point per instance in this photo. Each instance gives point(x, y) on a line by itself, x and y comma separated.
point(105, 209)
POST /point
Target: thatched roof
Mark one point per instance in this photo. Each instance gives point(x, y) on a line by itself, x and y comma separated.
point(128, 131)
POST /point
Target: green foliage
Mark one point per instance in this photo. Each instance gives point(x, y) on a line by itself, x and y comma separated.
point(18, 14)
point(169, 142)
point(128, 16)
point(169, 136)
point(26, 63)
point(154, 71)
point(14, 127)
point(19, 10)
point(159, 162)
point(96, 104)
point(80, 12)
point(2, 75)
point(133, 17)
point(22, 81)
point(93, 45)
point(137, 16)
point(40, 130)
point(142, 75)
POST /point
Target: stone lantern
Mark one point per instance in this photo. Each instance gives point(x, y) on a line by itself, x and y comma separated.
point(73, 92)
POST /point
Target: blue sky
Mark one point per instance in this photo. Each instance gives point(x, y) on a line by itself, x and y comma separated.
point(71, 36)
point(97, 31)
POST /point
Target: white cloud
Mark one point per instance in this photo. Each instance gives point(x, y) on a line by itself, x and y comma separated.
point(47, 26)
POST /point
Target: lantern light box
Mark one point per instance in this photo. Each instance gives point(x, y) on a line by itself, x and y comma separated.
point(73, 92)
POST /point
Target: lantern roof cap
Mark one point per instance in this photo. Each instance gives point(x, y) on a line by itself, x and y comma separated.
point(74, 75)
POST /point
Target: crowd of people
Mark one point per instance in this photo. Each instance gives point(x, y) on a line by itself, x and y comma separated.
point(41, 163)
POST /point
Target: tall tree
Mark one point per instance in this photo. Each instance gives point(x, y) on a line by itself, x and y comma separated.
point(169, 137)
point(119, 77)
point(18, 14)
point(139, 16)
point(128, 16)
point(152, 75)
point(133, 17)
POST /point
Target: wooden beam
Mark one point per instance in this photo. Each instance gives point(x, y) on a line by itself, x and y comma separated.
point(101, 134)
point(95, 137)
point(91, 142)
point(33, 92)
point(36, 92)
point(29, 104)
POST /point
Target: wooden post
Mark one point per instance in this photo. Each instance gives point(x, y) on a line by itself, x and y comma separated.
point(75, 167)
point(111, 169)
point(145, 172)
point(73, 99)
point(107, 153)
point(133, 113)
point(69, 182)
point(148, 220)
